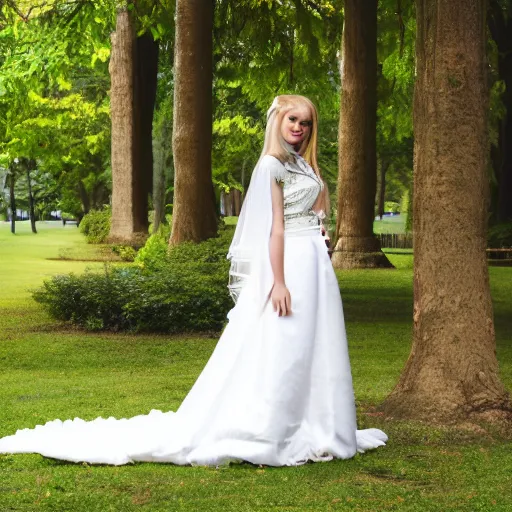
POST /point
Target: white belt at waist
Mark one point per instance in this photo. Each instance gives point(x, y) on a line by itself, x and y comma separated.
point(302, 231)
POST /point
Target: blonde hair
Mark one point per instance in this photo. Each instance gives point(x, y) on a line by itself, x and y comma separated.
point(276, 146)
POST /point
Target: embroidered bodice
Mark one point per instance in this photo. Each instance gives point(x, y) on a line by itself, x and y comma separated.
point(301, 187)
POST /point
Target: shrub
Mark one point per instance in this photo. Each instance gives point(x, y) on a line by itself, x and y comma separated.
point(391, 206)
point(177, 299)
point(154, 252)
point(500, 235)
point(125, 252)
point(96, 225)
point(181, 290)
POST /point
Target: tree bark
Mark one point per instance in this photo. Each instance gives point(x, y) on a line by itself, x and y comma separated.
point(356, 245)
point(382, 187)
point(145, 95)
point(12, 200)
point(84, 198)
point(452, 371)
point(194, 215)
point(31, 165)
point(129, 197)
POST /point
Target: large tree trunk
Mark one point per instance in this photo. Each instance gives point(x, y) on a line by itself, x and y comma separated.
point(30, 166)
point(501, 29)
point(452, 371)
point(356, 245)
point(129, 196)
point(504, 206)
point(194, 215)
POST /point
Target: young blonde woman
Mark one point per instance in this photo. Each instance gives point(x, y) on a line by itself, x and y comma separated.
point(277, 389)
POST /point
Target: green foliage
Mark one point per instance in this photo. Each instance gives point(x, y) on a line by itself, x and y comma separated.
point(178, 298)
point(404, 203)
point(153, 254)
point(391, 206)
point(500, 235)
point(53, 98)
point(96, 225)
point(125, 252)
point(178, 290)
point(156, 253)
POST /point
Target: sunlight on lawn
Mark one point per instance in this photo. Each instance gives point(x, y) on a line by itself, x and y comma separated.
point(25, 257)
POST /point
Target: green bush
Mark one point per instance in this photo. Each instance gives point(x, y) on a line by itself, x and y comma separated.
point(125, 252)
point(181, 290)
point(500, 235)
point(177, 299)
point(96, 225)
point(154, 253)
point(391, 206)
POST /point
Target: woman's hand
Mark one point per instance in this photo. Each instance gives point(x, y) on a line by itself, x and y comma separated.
point(281, 299)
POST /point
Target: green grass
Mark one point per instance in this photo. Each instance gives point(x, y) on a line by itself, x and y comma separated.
point(394, 224)
point(48, 371)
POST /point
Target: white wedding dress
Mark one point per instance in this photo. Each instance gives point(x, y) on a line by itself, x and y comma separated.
point(276, 390)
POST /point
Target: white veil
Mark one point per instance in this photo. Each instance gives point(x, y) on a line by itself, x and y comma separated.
point(249, 250)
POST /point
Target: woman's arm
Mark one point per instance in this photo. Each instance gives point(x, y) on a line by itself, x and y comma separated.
point(279, 295)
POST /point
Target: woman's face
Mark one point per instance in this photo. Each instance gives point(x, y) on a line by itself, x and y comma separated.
point(296, 126)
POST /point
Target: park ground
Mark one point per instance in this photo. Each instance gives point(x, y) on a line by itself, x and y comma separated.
point(49, 370)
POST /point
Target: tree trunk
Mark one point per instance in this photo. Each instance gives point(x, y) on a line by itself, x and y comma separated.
point(237, 201)
point(452, 371)
point(31, 165)
point(84, 197)
point(12, 200)
point(161, 151)
point(146, 78)
point(129, 198)
point(501, 30)
point(382, 188)
point(356, 245)
point(194, 216)
point(504, 206)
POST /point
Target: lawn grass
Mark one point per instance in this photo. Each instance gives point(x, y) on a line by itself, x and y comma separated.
point(390, 224)
point(49, 371)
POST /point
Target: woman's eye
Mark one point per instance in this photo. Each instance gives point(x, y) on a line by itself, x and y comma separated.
point(306, 123)
point(292, 119)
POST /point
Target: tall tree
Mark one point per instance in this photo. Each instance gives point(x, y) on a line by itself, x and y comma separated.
point(12, 196)
point(500, 25)
point(356, 246)
point(30, 165)
point(452, 371)
point(194, 215)
point(129, 186)
point(145, 96)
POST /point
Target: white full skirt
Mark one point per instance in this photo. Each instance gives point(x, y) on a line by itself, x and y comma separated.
point(276, 390)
